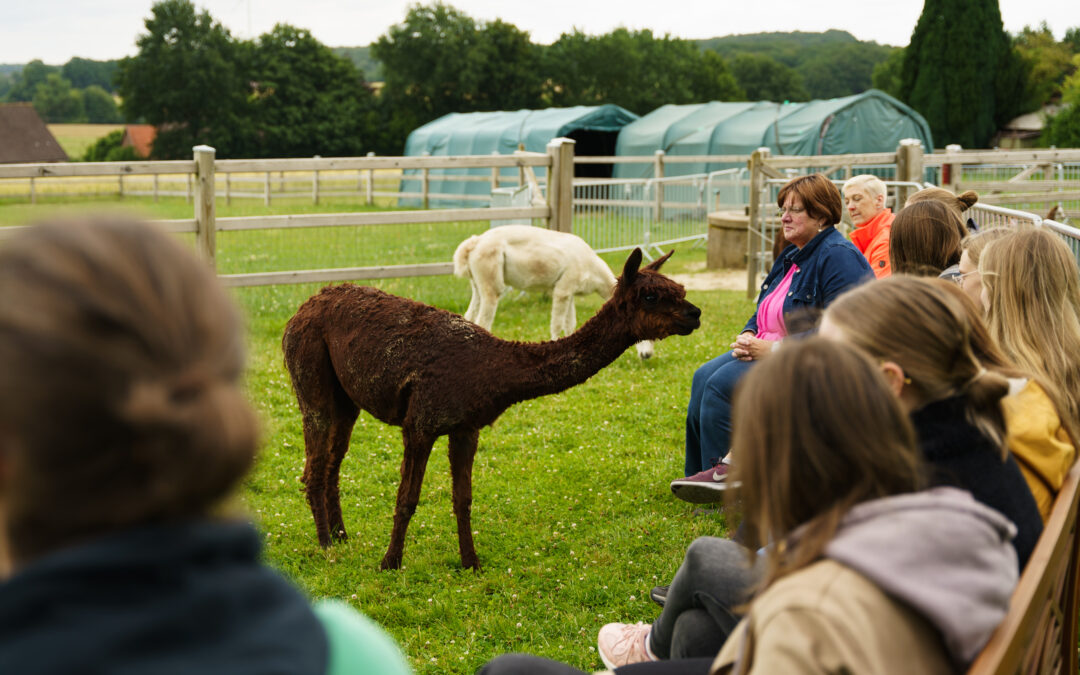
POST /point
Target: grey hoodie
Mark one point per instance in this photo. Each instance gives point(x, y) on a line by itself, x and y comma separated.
point(942, 553)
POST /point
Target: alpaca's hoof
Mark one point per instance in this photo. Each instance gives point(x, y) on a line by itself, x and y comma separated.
point(471, 562)
point(390, 562)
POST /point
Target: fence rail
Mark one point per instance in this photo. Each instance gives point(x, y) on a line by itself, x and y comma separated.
point(610, 214)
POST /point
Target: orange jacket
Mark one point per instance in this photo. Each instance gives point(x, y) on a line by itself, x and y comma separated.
point(872, 238)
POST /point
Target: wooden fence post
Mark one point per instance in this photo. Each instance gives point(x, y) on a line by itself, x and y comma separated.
point(228, 189)
point(950, 173)
point(495, 174)
point(560, 182)
point(369, 195)
point(425, 188)
point(756, 220)
point(909, 167)
point(33, 191)
point(315, 185)
point(205, 214)
point(266, 190)
point(120, 185)
point(658, 173)
point(155, 188)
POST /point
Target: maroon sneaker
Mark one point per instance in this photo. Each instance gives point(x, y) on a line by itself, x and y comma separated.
point(705, 487)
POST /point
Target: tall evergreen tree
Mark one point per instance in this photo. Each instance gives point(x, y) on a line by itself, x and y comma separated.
point(960, 71)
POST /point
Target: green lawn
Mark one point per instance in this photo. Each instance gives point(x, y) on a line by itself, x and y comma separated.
point(573, 518)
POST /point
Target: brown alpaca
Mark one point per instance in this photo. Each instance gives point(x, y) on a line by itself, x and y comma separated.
point(433, 373)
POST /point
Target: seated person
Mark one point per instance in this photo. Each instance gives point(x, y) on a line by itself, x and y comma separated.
point(864, 198)
point(1030, 289)
point(122, 429)
point(925, 240)
point(817, 265)
point(860, 568)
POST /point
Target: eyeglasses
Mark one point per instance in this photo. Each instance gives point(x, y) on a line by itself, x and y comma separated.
point(959, 278)
point(793, 210)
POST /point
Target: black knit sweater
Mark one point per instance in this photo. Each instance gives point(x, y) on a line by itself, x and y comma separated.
point(958, 454)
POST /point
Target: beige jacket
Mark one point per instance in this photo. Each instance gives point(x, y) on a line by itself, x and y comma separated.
point(828, 619)
point(913, 583)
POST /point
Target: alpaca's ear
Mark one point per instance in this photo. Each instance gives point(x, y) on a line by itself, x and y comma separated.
point(655, 265)
point(629, 270)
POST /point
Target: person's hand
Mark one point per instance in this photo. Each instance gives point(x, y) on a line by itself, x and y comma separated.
point(749, 348)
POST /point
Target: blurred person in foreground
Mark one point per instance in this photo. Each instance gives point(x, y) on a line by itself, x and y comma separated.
point(123, 428)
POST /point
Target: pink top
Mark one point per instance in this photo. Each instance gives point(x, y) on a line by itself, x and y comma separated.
point(770, 313)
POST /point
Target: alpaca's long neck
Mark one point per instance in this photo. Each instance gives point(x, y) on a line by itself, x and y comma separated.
point(551, 367)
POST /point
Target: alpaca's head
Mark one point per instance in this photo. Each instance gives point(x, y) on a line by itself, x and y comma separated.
point(653, 305)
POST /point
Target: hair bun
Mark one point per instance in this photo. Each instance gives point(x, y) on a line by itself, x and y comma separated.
point(968, 198)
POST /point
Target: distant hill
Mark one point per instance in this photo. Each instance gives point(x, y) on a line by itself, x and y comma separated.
point(361, 58)
point(8, 68)
point(830, 64)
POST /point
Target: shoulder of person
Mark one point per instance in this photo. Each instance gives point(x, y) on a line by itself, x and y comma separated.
point(357, 644)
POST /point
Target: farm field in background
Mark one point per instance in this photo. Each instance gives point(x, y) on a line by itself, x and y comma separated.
point(573, 518)
point(76, 138)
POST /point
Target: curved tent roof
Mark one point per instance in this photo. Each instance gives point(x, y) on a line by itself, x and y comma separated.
point(483, 133)
point(868, 122)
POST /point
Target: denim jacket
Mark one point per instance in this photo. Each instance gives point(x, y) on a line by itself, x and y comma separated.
point(829, 264)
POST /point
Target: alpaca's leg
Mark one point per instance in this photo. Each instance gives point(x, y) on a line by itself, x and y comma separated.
point(417, 449)
point(474, 302)
point(487, 273)
point(316, 470)
point(462, 451)
point(563, 316)
point(324, 407)
point(340, 432)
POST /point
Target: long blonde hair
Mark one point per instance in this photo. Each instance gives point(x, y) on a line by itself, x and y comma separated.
point(917, 324)
point(805, 453)
point(1032, 285)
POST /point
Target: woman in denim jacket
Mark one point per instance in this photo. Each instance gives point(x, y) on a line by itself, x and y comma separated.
point(817, 265)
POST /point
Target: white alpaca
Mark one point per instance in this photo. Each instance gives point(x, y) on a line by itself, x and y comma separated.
point(532, 258)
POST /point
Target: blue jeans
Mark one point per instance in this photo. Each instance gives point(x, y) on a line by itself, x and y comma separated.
point(708, 417)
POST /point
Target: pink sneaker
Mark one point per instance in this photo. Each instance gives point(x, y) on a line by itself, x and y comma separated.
point(621, 644)
point(705, 487)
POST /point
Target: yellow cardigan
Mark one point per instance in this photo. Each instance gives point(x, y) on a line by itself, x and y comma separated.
point(1039, 443)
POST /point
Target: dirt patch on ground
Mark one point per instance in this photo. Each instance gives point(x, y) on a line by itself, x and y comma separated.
point(701, 279)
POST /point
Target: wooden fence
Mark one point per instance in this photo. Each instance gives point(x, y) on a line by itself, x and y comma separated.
point(1019, 178)
point(204, 169)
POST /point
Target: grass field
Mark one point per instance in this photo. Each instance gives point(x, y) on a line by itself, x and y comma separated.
point(573, 518)
point(76, 138)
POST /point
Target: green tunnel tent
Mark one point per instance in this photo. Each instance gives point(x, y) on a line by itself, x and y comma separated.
point(593, 128)
point(871, 121)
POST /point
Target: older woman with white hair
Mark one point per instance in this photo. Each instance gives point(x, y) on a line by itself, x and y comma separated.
point(864, 199)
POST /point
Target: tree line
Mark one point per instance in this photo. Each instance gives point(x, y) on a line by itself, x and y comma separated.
point(79, 91)
point(285, 94)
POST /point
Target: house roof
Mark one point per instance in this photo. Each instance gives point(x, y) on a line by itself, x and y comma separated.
point(141, 137)
point(25, 138)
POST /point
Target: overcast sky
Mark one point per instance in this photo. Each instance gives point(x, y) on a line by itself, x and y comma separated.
point(56, 30)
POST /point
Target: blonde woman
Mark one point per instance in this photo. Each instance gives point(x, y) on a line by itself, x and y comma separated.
point(972, 247)
point(1031, 292)
point(921, 335)
point(864, 199)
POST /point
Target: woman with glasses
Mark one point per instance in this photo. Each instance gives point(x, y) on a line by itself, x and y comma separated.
point(817, 265)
